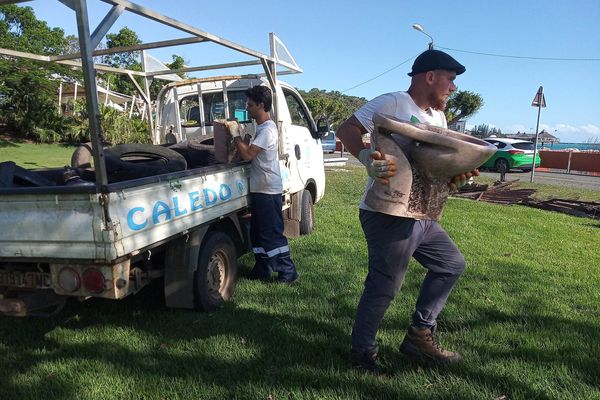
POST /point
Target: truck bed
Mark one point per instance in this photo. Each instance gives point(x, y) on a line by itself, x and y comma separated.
point(71, 224)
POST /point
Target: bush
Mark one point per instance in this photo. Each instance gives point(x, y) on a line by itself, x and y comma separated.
point(115, 125)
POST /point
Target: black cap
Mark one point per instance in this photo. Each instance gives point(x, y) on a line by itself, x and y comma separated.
point(430, 60)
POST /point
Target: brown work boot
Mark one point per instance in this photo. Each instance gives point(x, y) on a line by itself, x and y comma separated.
point(421, 344)
point(366, 361)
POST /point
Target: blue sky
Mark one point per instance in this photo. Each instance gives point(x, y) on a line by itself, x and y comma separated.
point(342, 44)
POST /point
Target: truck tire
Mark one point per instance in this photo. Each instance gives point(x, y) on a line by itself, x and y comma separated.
point(201, 151)
point(216, 273)
point(131, 161)
point(306, 213)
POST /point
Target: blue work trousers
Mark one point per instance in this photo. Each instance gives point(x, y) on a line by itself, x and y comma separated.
point(392, 241)
point(270, 246)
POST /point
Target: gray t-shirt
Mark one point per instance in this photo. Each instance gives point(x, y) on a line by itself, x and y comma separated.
point(265, 176)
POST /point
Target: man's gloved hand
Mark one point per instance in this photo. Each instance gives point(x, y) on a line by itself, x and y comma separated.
point(377, 167)
point(234, 128)
point(460, 180)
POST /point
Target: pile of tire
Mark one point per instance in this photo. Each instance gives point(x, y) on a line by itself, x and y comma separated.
point(198, 151)
point(130, 161)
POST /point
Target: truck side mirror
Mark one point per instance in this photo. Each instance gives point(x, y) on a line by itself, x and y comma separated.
point(323, 127)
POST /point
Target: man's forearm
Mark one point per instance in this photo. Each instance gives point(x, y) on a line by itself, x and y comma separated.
point(351, 135)
point(242, 148)
point(246, 151)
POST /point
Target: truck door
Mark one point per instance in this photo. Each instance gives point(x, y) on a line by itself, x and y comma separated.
point(305, 154)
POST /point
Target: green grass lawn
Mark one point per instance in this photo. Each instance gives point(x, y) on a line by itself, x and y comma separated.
point(35, 155)
point(525, 315)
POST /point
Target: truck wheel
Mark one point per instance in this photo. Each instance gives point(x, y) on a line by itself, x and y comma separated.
point(215, 277)
point(306, 216)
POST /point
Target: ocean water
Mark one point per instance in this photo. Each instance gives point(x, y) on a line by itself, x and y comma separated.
point(563, 146)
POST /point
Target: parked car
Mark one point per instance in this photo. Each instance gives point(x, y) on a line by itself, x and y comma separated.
point(328, 142)
point(511, 153)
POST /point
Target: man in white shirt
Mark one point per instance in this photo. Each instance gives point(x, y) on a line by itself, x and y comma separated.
point(270, 246)
point(393, 240)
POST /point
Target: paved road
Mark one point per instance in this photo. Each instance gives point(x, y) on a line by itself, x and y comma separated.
point(549, 178)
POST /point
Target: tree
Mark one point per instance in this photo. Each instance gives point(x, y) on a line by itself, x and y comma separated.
point(178, 63)
point(125, 37)
point(157, 84)
point(334, 106)
point(483, 131)
point(28, 91)
point(129, 60)
point(462, 105)
point(73, 48)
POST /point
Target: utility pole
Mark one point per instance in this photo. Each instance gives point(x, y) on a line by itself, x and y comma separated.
point(538, 101)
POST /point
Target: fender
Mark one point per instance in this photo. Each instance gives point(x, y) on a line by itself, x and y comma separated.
point(181, 260)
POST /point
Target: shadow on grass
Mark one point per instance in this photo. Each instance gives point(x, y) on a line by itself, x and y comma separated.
point(537, 350)
point(535, 342)
point(10, 143)
point(283, 352)
point(241, 348)
point(520, 328)
point(16, 141)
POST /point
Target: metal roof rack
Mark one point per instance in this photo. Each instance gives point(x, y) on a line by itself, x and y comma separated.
point(88, 41)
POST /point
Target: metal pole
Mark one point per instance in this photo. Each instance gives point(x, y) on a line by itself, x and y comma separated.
point(132, 105)
point(537, 127)
point(147, 82)
point(91, 93)
point(60, 97)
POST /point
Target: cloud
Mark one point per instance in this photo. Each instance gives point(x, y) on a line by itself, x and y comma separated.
point(515, 128)
point(575, 134)
point(565, 132)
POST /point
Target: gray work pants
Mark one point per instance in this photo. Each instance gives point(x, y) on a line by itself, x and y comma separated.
point(392, 241)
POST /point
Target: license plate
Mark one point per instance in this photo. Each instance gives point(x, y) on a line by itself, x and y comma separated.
point(29, 279)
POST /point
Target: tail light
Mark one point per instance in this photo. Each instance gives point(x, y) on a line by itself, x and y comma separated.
point(69, 280)
point(516, 152)
point(93, 280)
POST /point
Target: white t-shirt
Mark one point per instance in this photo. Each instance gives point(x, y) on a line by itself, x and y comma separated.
point(265, 176)
point(399, 105)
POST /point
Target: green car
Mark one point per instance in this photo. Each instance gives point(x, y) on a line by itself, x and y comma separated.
point(511, 153)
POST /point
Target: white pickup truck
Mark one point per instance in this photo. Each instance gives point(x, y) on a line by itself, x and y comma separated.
point(110, 237)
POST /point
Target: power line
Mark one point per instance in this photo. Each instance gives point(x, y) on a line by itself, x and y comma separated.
point(521, 57)
point(381, 74)
point(478, 53)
